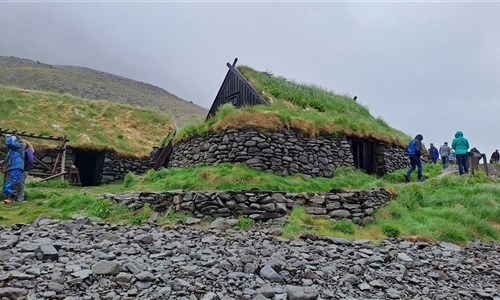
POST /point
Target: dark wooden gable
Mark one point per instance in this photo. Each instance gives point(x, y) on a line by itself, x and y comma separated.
point(235, 89)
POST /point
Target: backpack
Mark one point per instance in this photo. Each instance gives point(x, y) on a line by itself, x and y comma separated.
point(411, 147)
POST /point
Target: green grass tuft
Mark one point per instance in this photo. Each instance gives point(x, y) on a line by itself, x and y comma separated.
point(244, 223)
point(344, 226)
point(391, 230)
point(129, 180)
point(52, 183)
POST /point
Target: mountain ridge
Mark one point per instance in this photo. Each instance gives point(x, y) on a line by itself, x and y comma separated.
point(93, 84)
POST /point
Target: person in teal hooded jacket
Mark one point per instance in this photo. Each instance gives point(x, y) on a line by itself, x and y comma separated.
point(461, 146)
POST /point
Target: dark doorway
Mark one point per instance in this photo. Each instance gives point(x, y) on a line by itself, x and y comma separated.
point(362, 153)
point(89, 164)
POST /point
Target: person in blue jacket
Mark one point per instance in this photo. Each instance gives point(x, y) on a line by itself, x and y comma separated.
point(13, 168)
point(414, 151)
point(434, 153)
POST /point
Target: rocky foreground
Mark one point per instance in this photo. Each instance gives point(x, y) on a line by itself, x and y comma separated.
point(52, 259)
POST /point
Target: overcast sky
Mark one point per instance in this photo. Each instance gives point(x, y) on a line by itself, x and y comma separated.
point(430, 68)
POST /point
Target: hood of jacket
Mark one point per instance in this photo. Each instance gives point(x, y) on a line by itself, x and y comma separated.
point(459, 134)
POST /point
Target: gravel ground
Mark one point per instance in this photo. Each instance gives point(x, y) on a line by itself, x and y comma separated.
point(52, 259)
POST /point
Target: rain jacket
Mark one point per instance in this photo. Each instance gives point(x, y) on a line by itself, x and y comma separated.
point(15, 156)
point(444, 150)
point(434, 153)
point(415, 146)
point(460, 144)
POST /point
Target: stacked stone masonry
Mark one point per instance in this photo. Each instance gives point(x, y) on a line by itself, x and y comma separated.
point(116, 167)
point(283, 153)
point(389, 158)
point(356, 205)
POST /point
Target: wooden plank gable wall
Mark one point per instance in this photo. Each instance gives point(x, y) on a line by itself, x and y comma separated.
point(235, 89)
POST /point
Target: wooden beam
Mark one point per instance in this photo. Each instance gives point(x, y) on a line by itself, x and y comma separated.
point(53, 176)
point(43, 164)
point(33, 135)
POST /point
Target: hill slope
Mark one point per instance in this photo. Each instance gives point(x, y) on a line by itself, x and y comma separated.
point(87, 123)
point(91, 84)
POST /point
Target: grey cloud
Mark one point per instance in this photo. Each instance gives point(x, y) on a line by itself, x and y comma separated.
point(430, 68)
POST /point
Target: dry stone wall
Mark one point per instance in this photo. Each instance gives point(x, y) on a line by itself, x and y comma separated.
point(356, 205)
point(116, 167)
point(283, 153)
point(389, 158)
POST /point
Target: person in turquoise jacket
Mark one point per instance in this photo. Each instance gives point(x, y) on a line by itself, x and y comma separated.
point(461, 146)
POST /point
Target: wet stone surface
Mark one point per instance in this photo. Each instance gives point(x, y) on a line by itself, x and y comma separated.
point(103, 261)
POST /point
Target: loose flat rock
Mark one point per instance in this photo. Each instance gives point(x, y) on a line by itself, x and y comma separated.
point(13, 293)
point(301, 293)
point(106, 267)
point(269, 273)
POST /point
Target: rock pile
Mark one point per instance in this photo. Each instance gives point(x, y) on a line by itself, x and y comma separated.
point(357, 205)
point(53, 259)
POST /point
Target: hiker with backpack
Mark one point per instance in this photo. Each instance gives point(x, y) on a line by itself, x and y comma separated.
point(461, 146)
point(414, 151)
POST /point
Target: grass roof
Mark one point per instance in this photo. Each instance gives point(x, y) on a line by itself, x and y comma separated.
point(89, 124)
point(309, 109)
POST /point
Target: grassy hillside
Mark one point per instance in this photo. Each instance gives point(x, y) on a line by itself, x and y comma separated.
point(87, 123)
point(451, 208)
point(307, 108)
point(91, 84)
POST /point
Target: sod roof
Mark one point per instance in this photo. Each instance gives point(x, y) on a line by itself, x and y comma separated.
point(309, 109)
point(89, 124)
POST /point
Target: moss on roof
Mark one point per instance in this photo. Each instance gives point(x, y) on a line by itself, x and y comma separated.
point(89, 124)
point(309, 109)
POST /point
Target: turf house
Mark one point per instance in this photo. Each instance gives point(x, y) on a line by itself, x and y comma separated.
point(95, 141)
point(275, 124)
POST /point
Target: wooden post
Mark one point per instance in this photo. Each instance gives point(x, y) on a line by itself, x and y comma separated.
point(470, 158)
point(63, 146)
point(485, 162)
point(63, 163)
